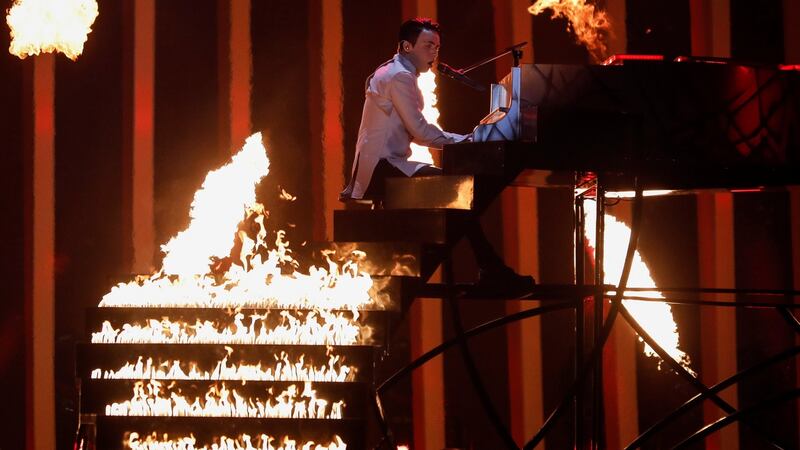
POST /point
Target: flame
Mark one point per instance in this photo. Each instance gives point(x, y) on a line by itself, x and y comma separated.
point(655, 317)
point(155, 399)
point(134, 441)
point(427, 85)
point(262, 275)
point(217, 211)
point(283, 369)
point(590, 25)
point(318, 327)
point(48, 26)
point(287, 196)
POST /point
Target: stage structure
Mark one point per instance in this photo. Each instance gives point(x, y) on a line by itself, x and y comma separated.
point(242, 344)
point(636, 125)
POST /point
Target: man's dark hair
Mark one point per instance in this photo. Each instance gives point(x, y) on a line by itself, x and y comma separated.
point(411, 29)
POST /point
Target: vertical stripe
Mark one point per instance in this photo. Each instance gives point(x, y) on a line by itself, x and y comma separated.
point(757, 31)
point(427, 384)
point(718, 334)
point(711, 28)
point(241, 70)
point(522, 24)
point(315, 120)
point(791, 31)
point(794, 211)
point(763, 261)
point(512, 24)
point(143, 228)
point(525, 352)
point(619, 367)
point(15, 126)
point(332, 131)
point(618, 40)
point(41, 298)
point(619, 358)
point(186, 108)
point(710, 25)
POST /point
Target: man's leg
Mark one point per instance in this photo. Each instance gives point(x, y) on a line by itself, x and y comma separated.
point(377, 184)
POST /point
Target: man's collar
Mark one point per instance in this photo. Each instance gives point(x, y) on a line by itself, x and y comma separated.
point(406, 63)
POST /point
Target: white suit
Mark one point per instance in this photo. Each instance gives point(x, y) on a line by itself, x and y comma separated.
point(391, 120)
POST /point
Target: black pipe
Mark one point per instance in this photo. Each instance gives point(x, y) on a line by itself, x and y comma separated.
point(790, 318)
point(736, 291)
point(694, 302)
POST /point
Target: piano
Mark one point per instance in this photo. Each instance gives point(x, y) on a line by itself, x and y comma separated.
point(680, 126)
point(688, 124)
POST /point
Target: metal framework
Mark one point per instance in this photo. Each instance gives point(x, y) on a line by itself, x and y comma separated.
point(584, 396)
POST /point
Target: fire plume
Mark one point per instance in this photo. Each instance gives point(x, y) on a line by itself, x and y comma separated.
point(655, 317)
point(427, 85)
point(155, 399)
point(244, 442)
point(589, 23)
point(201, 267)
point(283, 369)
point(46, 26)
point(320, 327)
point(216, 212)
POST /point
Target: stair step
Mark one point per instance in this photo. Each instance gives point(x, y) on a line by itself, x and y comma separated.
point(206, 357)
point(375, 258)
point(369, 327)
point(428, 226)
point(445, 192)
point(114, 432)
point(97, 396)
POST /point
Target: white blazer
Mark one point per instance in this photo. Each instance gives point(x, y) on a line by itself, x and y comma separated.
point(391, 120)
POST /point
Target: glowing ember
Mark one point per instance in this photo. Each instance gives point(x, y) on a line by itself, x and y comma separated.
point(316, 328)
point(243, 442)
point(262, 274)
point(427, 85)
point(283, 369)
point(154, 399)
point(654, 317)
point(590, 25)
point(46, 26)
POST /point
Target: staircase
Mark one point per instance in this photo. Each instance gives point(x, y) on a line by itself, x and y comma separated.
point(241, 379)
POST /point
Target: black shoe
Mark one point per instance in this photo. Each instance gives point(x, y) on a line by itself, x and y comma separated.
point(503, 282)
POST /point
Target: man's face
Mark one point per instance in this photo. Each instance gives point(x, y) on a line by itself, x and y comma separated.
point(424, 52)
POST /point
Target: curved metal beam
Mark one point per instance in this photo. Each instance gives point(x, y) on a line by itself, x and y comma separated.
point(737, 416)
point(724, 384)
point(693, 380)
point(469, 362)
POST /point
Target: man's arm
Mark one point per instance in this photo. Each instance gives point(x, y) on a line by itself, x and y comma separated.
point(403, 93)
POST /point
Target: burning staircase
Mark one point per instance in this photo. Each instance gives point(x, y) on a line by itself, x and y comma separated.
point(271, 377)
point(270, 349)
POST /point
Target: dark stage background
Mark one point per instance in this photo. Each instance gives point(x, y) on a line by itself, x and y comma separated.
point(191, 120)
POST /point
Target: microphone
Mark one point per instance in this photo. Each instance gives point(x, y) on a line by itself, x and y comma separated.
point(457, 75)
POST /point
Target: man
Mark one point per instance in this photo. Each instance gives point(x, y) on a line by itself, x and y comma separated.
point(392, 116)
point(392, 119)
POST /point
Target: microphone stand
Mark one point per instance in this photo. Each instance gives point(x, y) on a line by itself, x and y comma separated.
point(458, 74)
point(515, 51)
